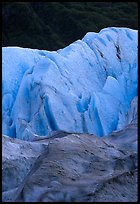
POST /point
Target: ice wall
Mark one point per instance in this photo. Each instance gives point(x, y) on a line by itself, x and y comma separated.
point(86, 87)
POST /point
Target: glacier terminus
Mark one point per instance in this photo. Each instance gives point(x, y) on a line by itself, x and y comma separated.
point(86, 87)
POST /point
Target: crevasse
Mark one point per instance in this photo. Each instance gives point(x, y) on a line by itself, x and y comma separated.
point(86, 87)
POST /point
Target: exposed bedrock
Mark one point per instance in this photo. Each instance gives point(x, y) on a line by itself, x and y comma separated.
point(71, 167)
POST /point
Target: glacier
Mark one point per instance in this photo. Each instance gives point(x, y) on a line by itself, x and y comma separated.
point(86, 87)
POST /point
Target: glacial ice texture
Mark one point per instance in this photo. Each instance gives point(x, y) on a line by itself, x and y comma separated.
point(86, 87)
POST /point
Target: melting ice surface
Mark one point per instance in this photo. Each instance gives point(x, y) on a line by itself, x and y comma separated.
point(86, 87)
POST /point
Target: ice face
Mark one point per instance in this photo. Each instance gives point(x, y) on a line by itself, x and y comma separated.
point(86, 87)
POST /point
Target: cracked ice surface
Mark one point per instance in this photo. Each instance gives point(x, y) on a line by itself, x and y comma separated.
point(86, 87)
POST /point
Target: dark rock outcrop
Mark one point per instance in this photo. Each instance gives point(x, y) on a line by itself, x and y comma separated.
point(74, 167)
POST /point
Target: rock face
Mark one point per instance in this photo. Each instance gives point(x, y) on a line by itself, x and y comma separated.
point(72, 167)
point(86, 87)
point(18, 159)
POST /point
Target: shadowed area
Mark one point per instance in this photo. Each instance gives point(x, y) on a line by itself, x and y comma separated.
point(54, 25)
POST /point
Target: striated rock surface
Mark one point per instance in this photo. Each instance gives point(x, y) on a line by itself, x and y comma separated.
point(18, 157)
point(73, 167)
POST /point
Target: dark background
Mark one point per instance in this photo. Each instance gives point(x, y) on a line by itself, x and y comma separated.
point(53, 25)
